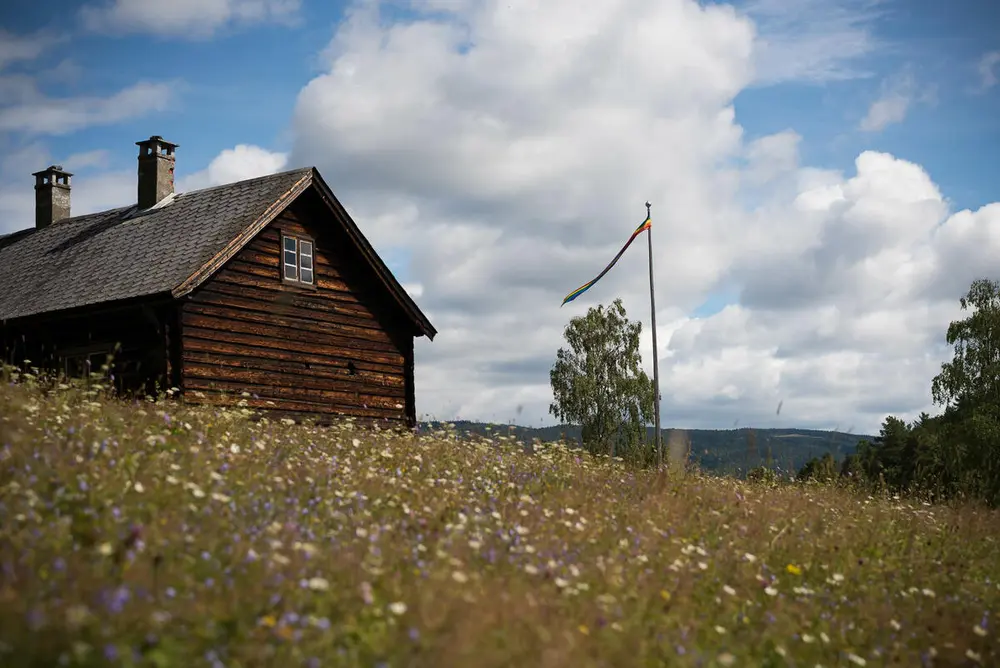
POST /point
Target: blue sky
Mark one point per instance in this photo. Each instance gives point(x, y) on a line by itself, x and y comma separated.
point(239, 85)
point(251, 86)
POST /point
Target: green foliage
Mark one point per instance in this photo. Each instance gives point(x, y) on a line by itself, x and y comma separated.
point(820, 469)
point(955, 454)
point(158, 534)
point(763, 475)
point(599, 383)
point(972, 378)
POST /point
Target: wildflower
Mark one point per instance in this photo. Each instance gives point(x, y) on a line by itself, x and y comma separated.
point(584, 630)
point(366, 593)
point(720, 630)
point(319, 584)
point(793, 569)
point(235, 449)
point(138, 487)
point(726, 659)
point(770, 591)
point(531, 569)
point(929, 593)
point(855, 659)
point(808, 639)
point(397, 608)
point(221, 498)
point(562, 582)
point(895, 625)
point(106, 549)
point(664, 594)
point(979, 631)
point(729, 590)
point(975, 656)
point(749, 557)
point(459, 577)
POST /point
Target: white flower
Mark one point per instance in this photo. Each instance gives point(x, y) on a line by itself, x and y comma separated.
point(138, 487)
point(459, 577)
point(771, 591)
point(318, 584)
point(729, 590)
point(855, 659)
point(397, 608)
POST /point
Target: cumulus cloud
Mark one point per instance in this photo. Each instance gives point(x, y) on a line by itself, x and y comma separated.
point(241, 162)
point(184, 18)
point(501, 152)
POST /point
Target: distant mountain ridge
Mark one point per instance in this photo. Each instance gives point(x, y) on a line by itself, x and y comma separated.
point(722, 451)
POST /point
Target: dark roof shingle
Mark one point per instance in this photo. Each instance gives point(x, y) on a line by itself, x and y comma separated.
point(125, 253)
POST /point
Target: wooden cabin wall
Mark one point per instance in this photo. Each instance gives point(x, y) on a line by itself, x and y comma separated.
point(318, 353)
point(134, 335)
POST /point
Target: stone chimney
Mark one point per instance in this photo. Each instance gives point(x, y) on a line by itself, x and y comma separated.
point(156, 170)
point(51, 196)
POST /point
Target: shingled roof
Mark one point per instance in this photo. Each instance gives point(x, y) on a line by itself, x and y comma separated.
point(168, 249)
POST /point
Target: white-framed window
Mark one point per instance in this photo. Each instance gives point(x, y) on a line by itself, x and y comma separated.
point(297, 260)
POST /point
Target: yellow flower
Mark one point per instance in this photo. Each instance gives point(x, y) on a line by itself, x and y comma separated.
point(268, 621)
point(664, 594)
point(793, 569)
point(584, 630)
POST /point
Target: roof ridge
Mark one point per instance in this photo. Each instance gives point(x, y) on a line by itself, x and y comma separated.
point(287, 172)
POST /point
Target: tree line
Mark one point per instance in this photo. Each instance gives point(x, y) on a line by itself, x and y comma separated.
point(598, 382)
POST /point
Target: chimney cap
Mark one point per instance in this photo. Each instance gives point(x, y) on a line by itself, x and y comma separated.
point(52, 169)
point(156, 139)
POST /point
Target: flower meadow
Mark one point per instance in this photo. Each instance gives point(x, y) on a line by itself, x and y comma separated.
point(157, 534)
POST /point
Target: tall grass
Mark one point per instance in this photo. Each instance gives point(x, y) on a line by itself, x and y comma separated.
point(157, 534)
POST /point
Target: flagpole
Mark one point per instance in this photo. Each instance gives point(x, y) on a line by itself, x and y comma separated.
point(656, 361)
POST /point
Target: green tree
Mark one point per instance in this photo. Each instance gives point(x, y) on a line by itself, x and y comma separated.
point(973, 376)
point(599, 383)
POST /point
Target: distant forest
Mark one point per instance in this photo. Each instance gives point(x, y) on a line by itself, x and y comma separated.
point(719, 451)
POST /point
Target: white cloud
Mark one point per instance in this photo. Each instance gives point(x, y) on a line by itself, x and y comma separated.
point(25, 109)
point(235, 164)
point(812, 40)
point(897, 96)
point(987, 69)
point(503, 150)
point(14, 48)
point(184, 18)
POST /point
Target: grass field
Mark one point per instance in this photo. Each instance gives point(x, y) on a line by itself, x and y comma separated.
point(155, 534)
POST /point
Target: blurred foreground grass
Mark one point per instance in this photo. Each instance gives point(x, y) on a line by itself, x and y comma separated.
point(162, 535)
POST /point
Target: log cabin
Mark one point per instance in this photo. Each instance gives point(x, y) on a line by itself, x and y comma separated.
point(263, 291)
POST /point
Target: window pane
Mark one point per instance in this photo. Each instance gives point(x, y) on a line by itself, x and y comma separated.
point(290, 272)
point(306, 248)
point(290, 257)
point(307, 275)
point(290, 244)
point(307, 262)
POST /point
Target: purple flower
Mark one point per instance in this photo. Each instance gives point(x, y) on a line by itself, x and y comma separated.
point(115, 599)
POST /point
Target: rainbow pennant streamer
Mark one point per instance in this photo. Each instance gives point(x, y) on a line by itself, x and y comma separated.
point(645, 225)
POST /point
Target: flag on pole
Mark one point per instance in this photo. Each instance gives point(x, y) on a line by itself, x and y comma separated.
point(645, 225)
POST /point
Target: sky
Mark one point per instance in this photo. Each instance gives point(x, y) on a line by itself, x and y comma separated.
point(822, 173)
